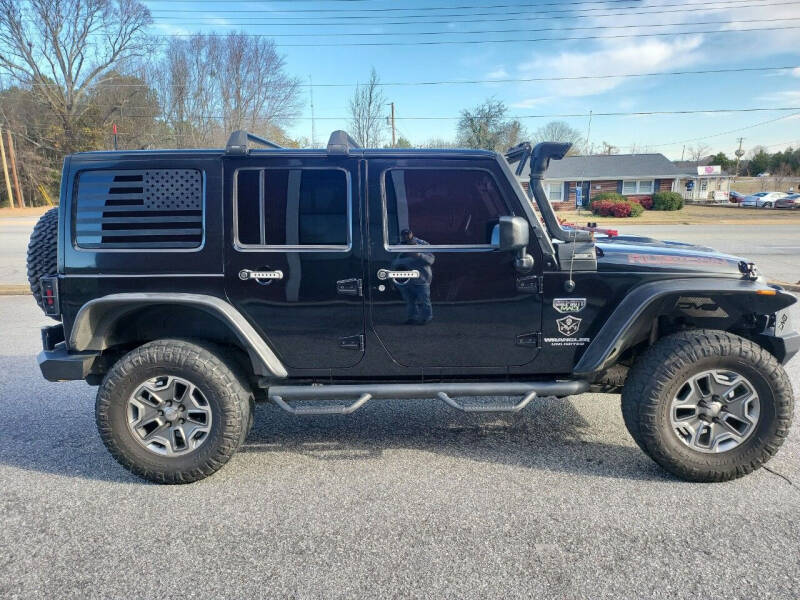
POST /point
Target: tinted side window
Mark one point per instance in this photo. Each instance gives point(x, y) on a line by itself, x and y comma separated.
point(444, 207)
point(292, 207)
point(139, 209)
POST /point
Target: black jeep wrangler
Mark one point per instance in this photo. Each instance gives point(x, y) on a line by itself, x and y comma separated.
point(189, 284)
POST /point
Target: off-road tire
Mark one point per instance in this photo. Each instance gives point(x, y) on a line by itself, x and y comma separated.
point(43, 252)
point(223, 385)
point(655, 378)
point(613, 380)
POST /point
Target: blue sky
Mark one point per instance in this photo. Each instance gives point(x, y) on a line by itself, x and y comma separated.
point(339, 22)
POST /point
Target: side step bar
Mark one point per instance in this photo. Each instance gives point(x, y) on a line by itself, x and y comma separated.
point(279, 394)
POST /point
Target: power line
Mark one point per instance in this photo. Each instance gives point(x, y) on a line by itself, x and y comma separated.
point(517, 19)
point(401, 9)
point(503, 41)
point(534, 116)
point(477, 81)
point(697, 139)
point(731, 4)
point(524, 30)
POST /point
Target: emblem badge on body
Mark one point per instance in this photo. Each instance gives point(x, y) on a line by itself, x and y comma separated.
point(568, 325)
point(569, 305)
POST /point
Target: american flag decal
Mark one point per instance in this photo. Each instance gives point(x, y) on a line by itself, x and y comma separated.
point(152, 208)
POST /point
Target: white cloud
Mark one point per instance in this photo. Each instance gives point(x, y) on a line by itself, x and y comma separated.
point(634, 56)
point(499, 73)
point(531, 102)
point(784, 96)
point(796, 72)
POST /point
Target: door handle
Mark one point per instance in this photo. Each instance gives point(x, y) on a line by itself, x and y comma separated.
point(384, 274)
point(246, 274)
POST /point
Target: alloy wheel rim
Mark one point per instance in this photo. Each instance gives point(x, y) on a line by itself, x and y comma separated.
point(169, 416)
point(715, 411)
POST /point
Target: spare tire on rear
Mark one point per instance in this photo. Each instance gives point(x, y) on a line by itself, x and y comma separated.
point(43, 252)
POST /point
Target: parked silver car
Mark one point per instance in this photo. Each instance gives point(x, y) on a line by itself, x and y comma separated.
point(762, 199)
point(790, 201)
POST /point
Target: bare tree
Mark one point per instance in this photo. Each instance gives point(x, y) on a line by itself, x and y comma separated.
point(437, 142)
point(212, 85)
point(367, 106)
point(61, 48)
point(560, 131)
point(698, 152)
point(608, 148)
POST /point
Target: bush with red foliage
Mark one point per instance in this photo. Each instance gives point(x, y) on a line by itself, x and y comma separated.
point(611, 208)
point(621, 209)
point(647, 203)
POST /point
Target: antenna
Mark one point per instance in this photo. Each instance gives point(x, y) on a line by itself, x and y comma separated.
point(313, 130)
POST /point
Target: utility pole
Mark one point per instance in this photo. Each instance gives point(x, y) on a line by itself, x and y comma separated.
point(588, 134)
point(313, 130)
point(5, 171)
point(394, 134)
point(683, 151)
point(739, 154)
point(13, 157)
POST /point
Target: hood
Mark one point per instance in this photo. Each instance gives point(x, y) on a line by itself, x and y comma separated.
point(634, 253)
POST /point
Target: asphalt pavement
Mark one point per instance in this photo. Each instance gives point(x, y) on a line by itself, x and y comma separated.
point(14, 235)
point(400, 500)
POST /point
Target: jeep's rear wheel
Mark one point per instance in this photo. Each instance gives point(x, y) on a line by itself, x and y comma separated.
point(173, 411)
point(708, 405)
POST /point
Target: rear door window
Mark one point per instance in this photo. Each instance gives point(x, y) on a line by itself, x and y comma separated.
point(303, 208)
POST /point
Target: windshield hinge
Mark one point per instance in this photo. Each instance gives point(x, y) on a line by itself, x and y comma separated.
point(533, 284)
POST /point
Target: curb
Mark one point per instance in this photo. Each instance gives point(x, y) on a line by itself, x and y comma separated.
point(12, 289)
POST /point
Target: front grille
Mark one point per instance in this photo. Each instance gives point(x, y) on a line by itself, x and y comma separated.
point(152, 208)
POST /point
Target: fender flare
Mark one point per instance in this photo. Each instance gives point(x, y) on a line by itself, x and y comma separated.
point(646, 302)
point(96, 318)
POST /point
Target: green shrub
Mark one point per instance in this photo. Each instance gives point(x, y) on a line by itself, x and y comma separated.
point(667, 201)
point(636, 209)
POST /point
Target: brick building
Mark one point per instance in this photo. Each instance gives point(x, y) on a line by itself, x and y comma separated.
point(632, 175)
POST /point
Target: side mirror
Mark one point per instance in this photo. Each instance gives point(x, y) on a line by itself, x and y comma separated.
point(513, 234)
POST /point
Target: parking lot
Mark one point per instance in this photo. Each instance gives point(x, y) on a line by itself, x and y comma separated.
point(401, 499)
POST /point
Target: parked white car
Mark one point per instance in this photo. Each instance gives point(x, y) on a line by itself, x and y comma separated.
point(762, 199)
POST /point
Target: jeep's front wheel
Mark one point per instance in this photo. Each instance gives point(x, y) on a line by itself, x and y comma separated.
point(173, 411)
point(708, 405)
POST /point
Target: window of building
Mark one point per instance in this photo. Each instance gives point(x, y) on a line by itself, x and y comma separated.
point(292, 207)
point(637, 186)
point(554, 192)
point(444, 207)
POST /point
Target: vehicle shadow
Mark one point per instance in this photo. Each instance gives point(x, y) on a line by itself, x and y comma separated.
point(550, 434)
